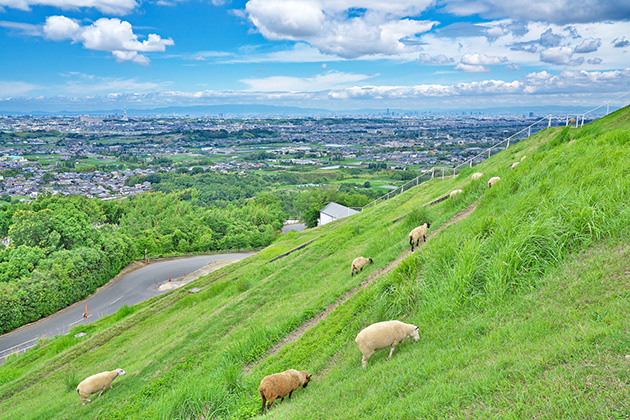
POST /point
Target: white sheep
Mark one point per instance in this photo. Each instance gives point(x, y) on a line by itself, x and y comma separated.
point(382, 335)
point(99, 382)
point(455, 192)
point(417, 233)
point(523, 158)
point(476, 175)
point(515, 164)
point(493, 181)
point(358, 263)
point(279, 385)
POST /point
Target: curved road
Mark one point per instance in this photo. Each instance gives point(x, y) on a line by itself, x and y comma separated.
point(130, 289)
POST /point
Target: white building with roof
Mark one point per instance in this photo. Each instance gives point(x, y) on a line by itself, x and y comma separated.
point(334, 211)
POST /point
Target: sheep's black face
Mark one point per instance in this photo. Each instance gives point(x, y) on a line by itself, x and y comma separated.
point(370, 260)
point(308, 379)
point(428, 225)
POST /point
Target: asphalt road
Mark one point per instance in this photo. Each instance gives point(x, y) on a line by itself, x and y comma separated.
point(130, 289)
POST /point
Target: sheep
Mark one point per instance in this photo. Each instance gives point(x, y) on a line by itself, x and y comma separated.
point(279, 385)
point(358, 263)
point(383, 334)
point(493, 181)
point(476, 175)
point(523, 158)
point(455, 192)
point(417, 233)
point(515, 164)
point(571, 121)
point(99, 382)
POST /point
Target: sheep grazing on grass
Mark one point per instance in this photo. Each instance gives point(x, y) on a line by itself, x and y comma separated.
point(382, 335)
point(417, 233)
point(571, 121)
point(455, 192)
point(476, 175)
point(515, 164)
point(99, 382)
point(358, 263)
point(279, 385)
point(493, 181)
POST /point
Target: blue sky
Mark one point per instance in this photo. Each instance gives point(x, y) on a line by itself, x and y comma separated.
point(330, 54)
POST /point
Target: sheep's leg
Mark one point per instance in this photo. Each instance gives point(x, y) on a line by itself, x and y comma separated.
point(264, 401)
point(364, 361)
point(290, 394)
point(391, 351)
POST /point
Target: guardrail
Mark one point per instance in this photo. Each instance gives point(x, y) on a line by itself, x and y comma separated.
point(485, 154)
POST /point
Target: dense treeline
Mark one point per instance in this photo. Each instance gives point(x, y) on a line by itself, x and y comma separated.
point(63, 248)
point(211, 189)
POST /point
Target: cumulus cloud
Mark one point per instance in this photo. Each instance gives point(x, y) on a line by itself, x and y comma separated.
point(105, 35)
point(560, 12)
point(620, 42)
point(112, 7)
point(513, 67)
point(561, 56)
point(346, 28)
point(576, 81)
point(478, 62)
point(588, 45)
point(439, 59)
point(495, 32)
point(533, 83)
point(595, 60)
point(319, 82)
point(549, 39)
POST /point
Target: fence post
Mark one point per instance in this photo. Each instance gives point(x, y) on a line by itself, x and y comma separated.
point(488, 153)
point(582, 125)
point(442, 174)
point(432, 172)
point(529, 131)
point(470, 166)
point(549, 125)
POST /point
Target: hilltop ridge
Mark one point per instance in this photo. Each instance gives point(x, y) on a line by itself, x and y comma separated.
point(522, 307)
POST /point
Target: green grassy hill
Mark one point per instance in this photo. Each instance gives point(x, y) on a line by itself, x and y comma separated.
point(522, 306)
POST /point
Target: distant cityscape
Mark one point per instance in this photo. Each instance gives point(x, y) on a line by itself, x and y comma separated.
point(94, 156)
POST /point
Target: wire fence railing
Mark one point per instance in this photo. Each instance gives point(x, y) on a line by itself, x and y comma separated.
point(448, 172)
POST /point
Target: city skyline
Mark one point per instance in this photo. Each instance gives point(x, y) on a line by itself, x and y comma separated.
point(327, 54)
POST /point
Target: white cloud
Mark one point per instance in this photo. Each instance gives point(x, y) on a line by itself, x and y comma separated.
point(317, 83)
point(540, 83)
point(554, 11)
point(620, 42)
point(438, 59)
point(588, 45)
point(594, 61)
point(105, 34)
point(15, 88)
point(347, 28)
point(561, 56)
point(114, 7)
point(577, 81)
point(476, 63)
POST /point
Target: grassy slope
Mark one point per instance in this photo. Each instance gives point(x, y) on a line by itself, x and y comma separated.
point(522, 308)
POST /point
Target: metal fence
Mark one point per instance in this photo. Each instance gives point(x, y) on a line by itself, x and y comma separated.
point(443, 172)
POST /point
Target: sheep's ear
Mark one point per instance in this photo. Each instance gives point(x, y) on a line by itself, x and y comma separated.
point(417, 327)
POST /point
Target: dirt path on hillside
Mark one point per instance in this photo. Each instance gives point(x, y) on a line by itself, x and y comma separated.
point(369, 280)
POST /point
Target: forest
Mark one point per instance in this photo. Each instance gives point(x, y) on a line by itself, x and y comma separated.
point(63, 248)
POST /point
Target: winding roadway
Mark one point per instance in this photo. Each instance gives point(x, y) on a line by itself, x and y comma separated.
point(129, 289)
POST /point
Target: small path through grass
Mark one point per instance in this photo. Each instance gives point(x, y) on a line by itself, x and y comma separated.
point(297, 333)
